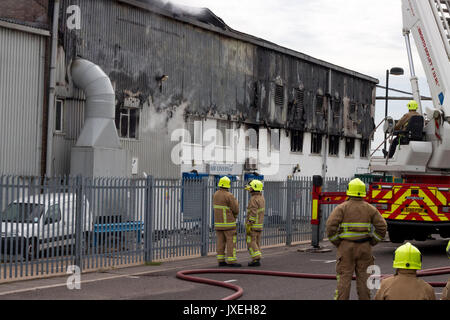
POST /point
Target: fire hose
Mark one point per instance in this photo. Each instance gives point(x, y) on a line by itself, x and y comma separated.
point(187, 275)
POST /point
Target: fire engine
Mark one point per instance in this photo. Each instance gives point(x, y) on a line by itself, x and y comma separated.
point(416, 202)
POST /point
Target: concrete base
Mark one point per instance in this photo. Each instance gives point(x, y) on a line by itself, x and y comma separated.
point(100, 162)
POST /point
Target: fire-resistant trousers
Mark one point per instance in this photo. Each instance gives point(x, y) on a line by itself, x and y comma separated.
point(226, 239)
point(353, 257)
point(253, 244)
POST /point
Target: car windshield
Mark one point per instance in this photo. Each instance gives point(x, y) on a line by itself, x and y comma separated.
point(22, 212)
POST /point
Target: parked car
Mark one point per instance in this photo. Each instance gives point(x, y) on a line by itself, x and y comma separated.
point(32, 224)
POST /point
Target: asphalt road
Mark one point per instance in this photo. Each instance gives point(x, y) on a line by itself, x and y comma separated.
point(160, 283)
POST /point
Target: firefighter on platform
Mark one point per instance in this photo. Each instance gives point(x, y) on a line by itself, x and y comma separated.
point(255, 221)
point(354, 227)
point(405, 285)
point(446, 291)
point(226, 210)
point(402, 124)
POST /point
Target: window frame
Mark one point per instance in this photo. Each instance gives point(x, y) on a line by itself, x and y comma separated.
point(61, 103)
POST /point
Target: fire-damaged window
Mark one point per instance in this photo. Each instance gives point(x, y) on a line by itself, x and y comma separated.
point(365, 146)
point(279, 95)
point(316, 143)
point(296, 141)
point(333, 149)
point(224, 133)
point(252, 137)
point(194, 131)
point(274, 139)
point(319, 104)
point(349, 146)
point(127, 122)
point(299, 98)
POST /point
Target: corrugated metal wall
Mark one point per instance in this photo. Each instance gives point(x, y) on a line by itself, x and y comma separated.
point(218, 73)
point(22, 60)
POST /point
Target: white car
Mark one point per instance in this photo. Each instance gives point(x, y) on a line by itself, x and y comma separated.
point(34, 223)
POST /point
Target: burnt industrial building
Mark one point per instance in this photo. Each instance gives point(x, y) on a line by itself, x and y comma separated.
point(172, 68)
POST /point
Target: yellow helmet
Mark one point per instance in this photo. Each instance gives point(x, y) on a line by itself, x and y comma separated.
point(225, 182)
point(412, 105)
point(254, 185)
point(356, 188)
point(407, 256)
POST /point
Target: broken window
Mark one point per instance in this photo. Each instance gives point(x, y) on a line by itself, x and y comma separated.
point(365, 147)
point(296, 141)
point(194, 131)
point(349, 146)
point(224, 131)
point(319, 104)
point(59, 115)
point(299, 97)
point(316, 143)
point(274, 139)
point(279, 95)
point(252, 137)
point(333, 149)
point(127, 122)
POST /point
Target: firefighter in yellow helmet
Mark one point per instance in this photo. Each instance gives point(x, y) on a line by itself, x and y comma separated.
point(354, 227)
point(255, 221)
point(226, 210)
point(446, 291)
point(402, 123)
point(405, 285)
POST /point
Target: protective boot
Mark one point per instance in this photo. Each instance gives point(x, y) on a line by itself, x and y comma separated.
point(234, 265)
point(254, 263)
point(222, 264)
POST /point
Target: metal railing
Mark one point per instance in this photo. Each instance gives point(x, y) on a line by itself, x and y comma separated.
point(48, 225)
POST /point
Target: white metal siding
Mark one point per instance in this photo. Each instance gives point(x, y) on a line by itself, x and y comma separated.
point(22, 61)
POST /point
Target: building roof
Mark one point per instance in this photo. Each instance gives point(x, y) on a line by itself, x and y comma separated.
point(204, 18)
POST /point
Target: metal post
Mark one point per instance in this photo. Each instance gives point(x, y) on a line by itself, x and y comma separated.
point(386, 106)
point(204, 217)
point(79, 234)
point(316, 212)
point(289, 207)
point(148, 228)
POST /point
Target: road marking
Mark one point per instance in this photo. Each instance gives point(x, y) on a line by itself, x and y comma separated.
point(228, 281)
point(324, 261)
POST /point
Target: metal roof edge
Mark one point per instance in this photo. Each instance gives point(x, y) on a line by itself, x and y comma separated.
point(23, 28)
point(250, 39)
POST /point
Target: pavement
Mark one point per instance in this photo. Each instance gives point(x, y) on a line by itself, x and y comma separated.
point(158, 281)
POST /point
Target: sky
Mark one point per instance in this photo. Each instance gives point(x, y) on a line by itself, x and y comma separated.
point(361, 35)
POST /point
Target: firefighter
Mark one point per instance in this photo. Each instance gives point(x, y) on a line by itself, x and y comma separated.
point(405, 285)
point(226, 210)
point(446, 291)
point(255, 220)
point(402, 124)
point(354, 227)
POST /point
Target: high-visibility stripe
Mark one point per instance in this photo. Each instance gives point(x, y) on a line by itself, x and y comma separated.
point(315, 209)
point(221, 207)
point(228, 224)
point(352, 234)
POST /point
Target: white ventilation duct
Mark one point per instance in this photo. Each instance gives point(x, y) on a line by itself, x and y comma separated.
point(98, 152)
point(99, 129)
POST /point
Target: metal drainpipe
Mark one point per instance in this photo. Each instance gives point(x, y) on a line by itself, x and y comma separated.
point(52, 90)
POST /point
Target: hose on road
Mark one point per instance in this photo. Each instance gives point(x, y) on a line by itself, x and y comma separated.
point(187, 275)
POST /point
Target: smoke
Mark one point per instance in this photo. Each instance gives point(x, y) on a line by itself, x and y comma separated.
point(164, 117)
